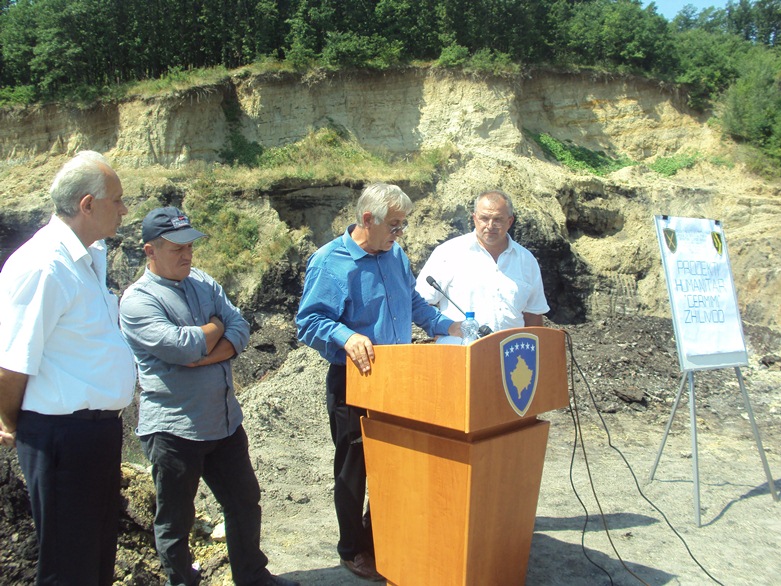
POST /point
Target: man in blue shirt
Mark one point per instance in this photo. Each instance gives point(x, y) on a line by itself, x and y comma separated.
point(359, 291)
point(184, 331)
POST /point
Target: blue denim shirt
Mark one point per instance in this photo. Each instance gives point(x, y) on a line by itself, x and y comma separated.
point(348, 291)
point(161, 320)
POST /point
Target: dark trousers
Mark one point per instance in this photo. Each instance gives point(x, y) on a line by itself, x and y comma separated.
point(72, 469)
point(349, 468)
point(177, 466)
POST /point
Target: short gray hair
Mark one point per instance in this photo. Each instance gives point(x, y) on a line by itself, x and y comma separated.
point(83, 174)
point(378, 198)
point(495, 195)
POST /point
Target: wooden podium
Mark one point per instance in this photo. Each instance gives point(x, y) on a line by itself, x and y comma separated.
point(454, 453)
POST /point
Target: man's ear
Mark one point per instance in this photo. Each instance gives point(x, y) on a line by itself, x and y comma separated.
point(368, 220)
point(85, 205)
point(149, 250)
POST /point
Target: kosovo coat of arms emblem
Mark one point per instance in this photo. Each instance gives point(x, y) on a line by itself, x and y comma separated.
point(520, 365)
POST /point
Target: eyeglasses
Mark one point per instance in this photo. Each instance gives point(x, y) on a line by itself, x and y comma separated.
point(491, 220)
point(398, 228)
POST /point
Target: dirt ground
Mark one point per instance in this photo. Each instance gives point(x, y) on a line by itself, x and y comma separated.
point(624, 397)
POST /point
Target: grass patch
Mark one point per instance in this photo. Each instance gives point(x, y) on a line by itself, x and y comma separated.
point(579, 158)
point(330, 155)
point(669, 166)
point(177, 80)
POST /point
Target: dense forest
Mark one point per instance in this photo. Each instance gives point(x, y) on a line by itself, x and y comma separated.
point(82, 50)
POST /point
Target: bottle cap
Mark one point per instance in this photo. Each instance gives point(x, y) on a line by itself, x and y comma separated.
point(470, 315)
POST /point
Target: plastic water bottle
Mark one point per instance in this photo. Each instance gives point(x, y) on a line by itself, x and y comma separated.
point(469, 328)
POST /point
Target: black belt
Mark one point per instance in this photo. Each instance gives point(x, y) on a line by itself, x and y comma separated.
point(94, 414)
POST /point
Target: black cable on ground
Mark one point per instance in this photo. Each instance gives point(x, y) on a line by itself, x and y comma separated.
point(575, 413)
point(579, 433)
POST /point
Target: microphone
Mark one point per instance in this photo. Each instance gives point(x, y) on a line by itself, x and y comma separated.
point(482, 330)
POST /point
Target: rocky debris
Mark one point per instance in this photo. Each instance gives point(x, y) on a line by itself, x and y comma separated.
point(630, 364)
point(19, 551)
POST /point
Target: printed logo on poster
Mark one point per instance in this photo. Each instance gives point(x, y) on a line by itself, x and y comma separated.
point(520, 365)
point(670, 239)
point(718, 242)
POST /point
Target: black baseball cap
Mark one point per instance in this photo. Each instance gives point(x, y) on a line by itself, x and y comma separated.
point(171, 224)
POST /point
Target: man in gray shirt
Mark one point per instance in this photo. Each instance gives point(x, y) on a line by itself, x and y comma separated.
point(184, 331)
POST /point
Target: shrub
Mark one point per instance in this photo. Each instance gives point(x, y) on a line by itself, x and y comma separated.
point(752, 105)
point(22, 95)
point(453, 56)
point(491, 62)
point(231, 251)
point(240, 151)
point(349, 49)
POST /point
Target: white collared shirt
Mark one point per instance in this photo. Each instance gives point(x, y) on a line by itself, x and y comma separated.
point(59, 325)
point(499, 292)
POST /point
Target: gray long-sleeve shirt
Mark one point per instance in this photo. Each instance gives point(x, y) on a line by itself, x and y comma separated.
point(161, 320)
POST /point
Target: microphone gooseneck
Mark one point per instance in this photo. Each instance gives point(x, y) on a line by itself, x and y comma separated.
point(482, 331)
point(430, 280)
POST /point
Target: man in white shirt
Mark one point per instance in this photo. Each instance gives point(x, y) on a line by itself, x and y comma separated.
point(486, 271)
point(66, 373)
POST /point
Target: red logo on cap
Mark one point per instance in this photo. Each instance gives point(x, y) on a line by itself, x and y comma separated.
point(180, 222)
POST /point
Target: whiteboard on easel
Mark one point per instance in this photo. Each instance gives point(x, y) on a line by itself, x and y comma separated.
point(706, 320)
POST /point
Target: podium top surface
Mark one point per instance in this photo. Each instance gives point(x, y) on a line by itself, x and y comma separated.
point(504, 377)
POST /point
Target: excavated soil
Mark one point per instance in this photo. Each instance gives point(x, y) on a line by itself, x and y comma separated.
point(625, 376)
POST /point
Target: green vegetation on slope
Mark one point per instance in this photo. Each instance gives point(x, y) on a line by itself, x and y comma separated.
point(581, 159)
point(224, 200)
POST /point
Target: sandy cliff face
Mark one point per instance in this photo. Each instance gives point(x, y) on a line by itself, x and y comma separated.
point(400, 112)
point(594, 236)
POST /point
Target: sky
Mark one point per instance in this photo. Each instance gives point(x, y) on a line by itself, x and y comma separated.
point(669, 8)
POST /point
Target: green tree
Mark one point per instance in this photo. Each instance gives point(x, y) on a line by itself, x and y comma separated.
point(752, 104)
point(58, 57)
point(686, 19)
point(707, 63)
point(767, 18)
point(413, 24)
point(740, 19)
point(17, 39)
point(268, 32)
point(308, 26)
point(616, 34)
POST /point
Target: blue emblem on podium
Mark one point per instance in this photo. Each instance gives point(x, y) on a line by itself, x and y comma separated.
point(520, 365)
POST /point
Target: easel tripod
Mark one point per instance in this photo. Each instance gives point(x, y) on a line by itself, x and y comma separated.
point(689, 375)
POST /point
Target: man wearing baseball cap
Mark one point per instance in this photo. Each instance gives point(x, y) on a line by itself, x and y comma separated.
point(184, 331)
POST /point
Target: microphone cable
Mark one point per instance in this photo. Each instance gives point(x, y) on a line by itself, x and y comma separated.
point(575, 414)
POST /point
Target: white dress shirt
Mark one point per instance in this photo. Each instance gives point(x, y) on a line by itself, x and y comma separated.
point(59, 325)
point(499, 292)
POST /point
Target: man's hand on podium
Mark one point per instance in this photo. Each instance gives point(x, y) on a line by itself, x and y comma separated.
point(361, 351)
